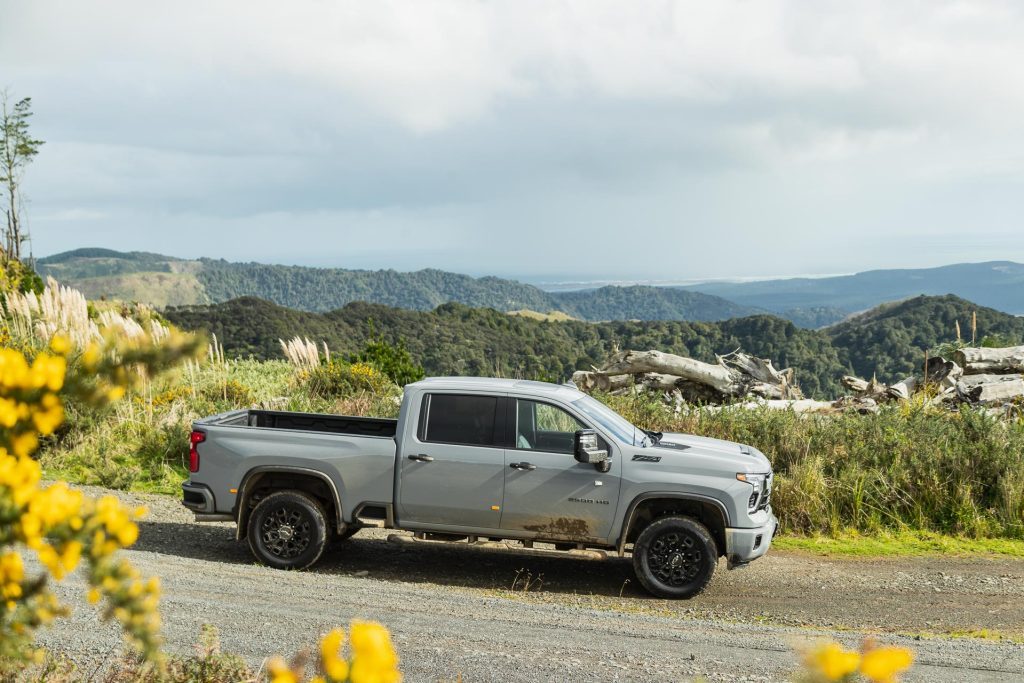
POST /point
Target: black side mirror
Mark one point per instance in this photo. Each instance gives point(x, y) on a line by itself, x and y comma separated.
point(585, 448)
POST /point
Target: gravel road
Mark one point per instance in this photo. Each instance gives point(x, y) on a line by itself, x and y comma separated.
point(458, 611)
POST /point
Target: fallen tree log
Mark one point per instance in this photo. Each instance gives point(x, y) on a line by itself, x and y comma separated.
point(977, 361)
point(720, 378)
point(903, 389)
point(587, 381)
point(995, 389)
point(862, 388)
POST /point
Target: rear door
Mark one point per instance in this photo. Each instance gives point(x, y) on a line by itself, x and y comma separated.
point(453, 469)
point(547, 492)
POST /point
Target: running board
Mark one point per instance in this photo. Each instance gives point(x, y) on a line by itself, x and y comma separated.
point(501, 546)
point(371, 523)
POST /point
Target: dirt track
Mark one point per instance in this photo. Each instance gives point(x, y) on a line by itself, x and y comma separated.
point(454, 610)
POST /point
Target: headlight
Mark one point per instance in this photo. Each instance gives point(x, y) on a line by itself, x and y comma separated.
point(760, 483)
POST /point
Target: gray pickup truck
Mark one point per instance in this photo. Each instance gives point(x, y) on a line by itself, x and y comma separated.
point(486, 461)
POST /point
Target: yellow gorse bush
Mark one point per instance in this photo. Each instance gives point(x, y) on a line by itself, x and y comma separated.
point(65, 529)
point(879, 664)
point(372, 658)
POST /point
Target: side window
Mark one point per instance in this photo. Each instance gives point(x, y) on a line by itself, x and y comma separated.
point(544, 427)
point(460, 419)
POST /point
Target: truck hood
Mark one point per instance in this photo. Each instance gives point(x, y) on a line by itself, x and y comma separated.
point(747, 458)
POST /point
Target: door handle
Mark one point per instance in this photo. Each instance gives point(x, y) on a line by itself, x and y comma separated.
point(421, 458)
point(523, 466)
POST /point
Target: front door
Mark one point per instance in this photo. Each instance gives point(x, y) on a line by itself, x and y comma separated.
point(452, 472)
point(547, 492)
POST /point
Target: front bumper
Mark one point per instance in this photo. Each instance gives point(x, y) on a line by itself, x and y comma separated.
point(745, 545)
point(198, 498)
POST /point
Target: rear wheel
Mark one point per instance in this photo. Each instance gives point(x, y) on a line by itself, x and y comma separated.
point(675, 557)
point(287, 530)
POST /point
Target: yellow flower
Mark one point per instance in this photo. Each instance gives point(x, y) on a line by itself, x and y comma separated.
point(373, 657)
point(93, 596)
point(279, 671)
point(25, 444)
point(832, 661)
point(334, 665)
point(882, 664)
point(60, 345)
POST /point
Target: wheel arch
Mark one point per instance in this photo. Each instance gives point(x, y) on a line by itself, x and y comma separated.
point(647, 507)
point(282, 477)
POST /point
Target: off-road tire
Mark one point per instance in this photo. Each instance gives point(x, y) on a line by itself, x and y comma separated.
point(296, 514)
point(675, 557)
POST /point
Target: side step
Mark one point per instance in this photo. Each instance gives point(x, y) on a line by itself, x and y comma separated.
point(372, 523)
point(501, 546)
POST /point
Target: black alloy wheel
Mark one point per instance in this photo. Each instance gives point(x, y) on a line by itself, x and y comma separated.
point(288, 530)
point(675, 557)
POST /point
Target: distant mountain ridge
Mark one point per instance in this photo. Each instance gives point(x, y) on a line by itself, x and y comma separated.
point(996, 284)
point(165, 280)
point(809, 302)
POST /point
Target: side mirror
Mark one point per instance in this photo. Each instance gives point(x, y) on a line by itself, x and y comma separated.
point(585, 448)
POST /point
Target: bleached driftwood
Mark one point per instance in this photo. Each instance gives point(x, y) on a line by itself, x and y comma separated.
point(903, 389)
point(595, 381)
point(988, 389)
point(977, 361)
point(863, 388)
point(718, 377)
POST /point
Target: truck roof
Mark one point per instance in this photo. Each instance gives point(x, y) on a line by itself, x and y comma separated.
point(563, 391)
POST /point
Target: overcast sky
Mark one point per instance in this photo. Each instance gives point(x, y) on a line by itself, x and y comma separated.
point(545, 140)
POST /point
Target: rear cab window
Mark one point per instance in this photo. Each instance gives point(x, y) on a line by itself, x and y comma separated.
point(462, 419)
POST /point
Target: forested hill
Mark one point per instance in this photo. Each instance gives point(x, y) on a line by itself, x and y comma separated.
point(639, 302)
point(456, 339)
point(891, 338)
point(164, 280)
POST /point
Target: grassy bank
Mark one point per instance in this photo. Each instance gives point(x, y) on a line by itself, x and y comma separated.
point(899, 544)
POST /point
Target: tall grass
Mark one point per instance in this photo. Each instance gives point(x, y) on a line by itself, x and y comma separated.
point(906, 467)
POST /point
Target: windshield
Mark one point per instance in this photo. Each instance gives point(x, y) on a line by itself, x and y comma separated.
point(622, 428)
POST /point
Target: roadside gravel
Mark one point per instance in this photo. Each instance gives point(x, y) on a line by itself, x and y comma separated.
point(498, 616)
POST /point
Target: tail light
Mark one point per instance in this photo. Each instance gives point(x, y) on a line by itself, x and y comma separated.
point(196, 438)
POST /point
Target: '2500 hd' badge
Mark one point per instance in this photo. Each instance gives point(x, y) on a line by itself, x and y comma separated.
point(646, 458)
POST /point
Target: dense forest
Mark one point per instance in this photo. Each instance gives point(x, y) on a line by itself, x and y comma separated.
point(640, 302)
point(460, 340)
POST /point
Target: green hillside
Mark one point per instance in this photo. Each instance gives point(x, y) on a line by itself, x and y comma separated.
point(640, 302)
point(891, 338)
point(455, 339)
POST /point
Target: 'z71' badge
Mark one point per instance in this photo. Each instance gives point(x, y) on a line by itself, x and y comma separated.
point(646, 458)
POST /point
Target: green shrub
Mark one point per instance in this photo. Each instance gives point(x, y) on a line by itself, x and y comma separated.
point(336, 379)
point(393, 360)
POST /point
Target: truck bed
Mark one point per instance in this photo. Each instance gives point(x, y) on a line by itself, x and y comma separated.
point(308, 422)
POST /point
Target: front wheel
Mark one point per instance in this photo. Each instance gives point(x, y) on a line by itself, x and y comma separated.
point(675, 557)
point(287, 530)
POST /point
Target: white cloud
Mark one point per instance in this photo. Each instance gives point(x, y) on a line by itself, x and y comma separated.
point(777, 122)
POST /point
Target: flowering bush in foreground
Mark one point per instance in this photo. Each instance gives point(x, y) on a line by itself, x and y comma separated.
point(877, 663)
point(372, 660)
point(63, 528)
